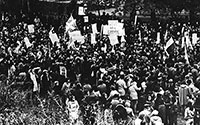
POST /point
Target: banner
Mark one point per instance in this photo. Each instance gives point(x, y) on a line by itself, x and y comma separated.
point(27, 42)
point(113, 30)
point(53, 37)
point(94, 28)
point(76, 36)
point(194, 38)
point(31, 28)
point(113, 39)
point(71, 24)
point(81, 11)
point(121, 29)
point(86, 19)
point(113, 22)
point(63, 71)
point(105, 29)
point(158, 38)
point(93, 38)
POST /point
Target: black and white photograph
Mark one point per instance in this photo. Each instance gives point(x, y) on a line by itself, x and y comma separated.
point(99, 62)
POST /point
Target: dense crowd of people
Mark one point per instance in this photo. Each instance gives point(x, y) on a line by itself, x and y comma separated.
point(132, 81)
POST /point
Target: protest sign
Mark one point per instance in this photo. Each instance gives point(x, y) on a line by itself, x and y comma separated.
point(113, 39)
point(31, 28)
point(94, 28)
point(81, 11)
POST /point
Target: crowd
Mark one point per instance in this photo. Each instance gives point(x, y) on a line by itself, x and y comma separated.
point(133, 81)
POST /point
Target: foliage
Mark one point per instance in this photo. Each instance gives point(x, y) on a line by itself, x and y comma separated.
point(15, 108)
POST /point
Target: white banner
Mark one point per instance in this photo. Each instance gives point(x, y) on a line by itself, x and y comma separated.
point(63, 71)
point(76, 36)
point(113, 30)
point(86, 19)
point(81, 11)
point(93, 38)
point(113, 22)
point(194, 38)
point(113, 39)
point(105, 29)
point(158, 38)
point(53, 37)
point(27, 42)
point(31, 28)
point(94, 28)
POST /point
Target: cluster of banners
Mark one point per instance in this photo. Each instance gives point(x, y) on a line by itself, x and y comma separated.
point(112, 30)
point(187, 42)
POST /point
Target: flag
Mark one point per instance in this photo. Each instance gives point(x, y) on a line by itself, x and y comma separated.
point(71, 24)
point(136, 17)
point(186, 55)
point(158, 38)
point(169, 43)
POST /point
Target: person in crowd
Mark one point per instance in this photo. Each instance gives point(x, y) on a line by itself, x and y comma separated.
point(133, 94)
point(22, 50)
point(189, 114)
point(183, 91)
point(121, 85)
point(155, 119)
point(73, 108)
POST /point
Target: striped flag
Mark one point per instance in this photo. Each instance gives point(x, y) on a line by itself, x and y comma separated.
point(169, 43)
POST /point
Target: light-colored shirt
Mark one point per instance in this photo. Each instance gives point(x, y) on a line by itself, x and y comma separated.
point(121, 87)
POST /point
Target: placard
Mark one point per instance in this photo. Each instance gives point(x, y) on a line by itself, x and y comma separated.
point(94, 28)
point(113, 22)
point(86, 19)
point(81, 11)
point(113, 39)
point(53, 37)
point(76, 36)
point(31, 28)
